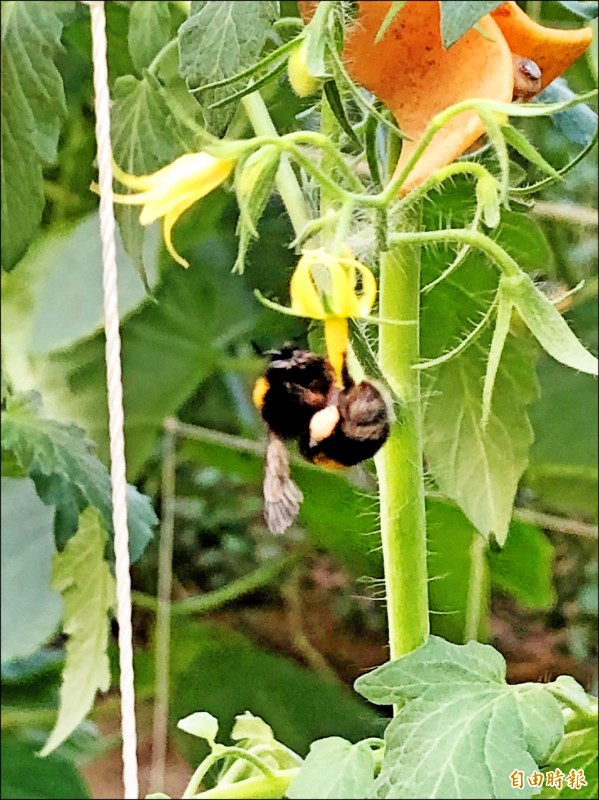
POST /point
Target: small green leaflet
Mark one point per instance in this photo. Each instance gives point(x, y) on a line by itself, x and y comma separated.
point(498, 340)
point(458, 17)
point(250, 731)
point(462, 730)
point(547, 325)
point(67, 473)
point(83, 577)
point(200, 724)
point(33, 107)
point(218, 40)
point(578, 749)
point(334, 768)
point(24, 774)
point(396, 7)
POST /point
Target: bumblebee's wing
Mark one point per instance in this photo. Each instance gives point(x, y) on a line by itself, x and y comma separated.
point(282, 498)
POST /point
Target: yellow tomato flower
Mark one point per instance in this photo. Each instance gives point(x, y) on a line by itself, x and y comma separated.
point(173, 189)
point(332, 289)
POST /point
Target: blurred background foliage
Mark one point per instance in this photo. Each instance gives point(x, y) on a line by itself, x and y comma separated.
point(293, 621)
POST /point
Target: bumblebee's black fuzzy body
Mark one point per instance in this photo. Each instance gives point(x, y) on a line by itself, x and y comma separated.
point(362, 429)
point(295, 385)
point(335, 427)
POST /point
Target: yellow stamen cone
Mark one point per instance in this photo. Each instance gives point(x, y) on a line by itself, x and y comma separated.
point(336, 334)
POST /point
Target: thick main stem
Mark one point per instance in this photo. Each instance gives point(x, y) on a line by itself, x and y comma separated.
point(399, 464)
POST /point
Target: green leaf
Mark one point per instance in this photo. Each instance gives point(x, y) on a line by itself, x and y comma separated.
point(83, 577)
point(524, 567)
point(458, 17)
point(521, 145)
point(53, 274)
point(218, 40)
point(577, 751)
point(73, 381)
point(578, 123)
point(480, 468)
point(563, 469)
point(488, 200)
point(33, 106)
point(27, 777)
point(336, 105)
point(149, 31)
point(31, 610)
point(252, 729)
point(252, 732)
point(200, 724)
point(334, 768)
point(316, 36)
point(547, 325)
point(66, 473)
point(146, 135)
point(237, 675)
point(458, 594)
point(461, 729)
point(587, 10)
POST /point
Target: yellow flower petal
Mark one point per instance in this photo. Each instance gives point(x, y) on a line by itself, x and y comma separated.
point(188, 176)
point(341, 293)
point(141, 182)
point(305, 299)
point(170, 218)
point(367, 296)
point(130, 199)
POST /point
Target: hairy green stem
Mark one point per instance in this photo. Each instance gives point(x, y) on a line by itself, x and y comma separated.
point(399, 463)
point(505, 262)
point(223, 752)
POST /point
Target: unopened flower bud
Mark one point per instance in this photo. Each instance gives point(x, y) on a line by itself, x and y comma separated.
point(254, 181)
point(301, 79)
point(488, 200)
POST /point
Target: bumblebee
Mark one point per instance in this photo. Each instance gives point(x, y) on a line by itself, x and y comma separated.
point(335, 427)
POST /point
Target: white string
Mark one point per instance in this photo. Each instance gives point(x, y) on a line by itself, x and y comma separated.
point(115, 400)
